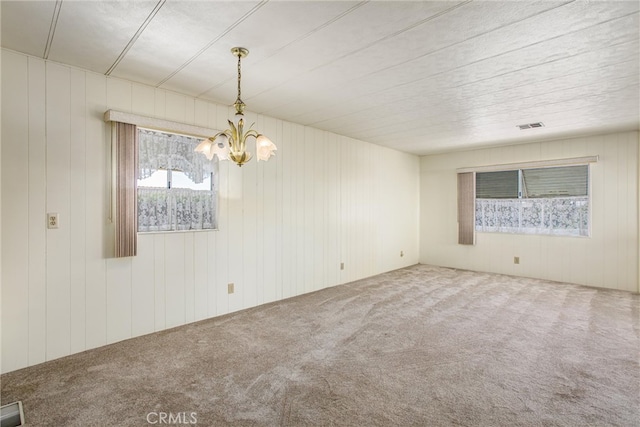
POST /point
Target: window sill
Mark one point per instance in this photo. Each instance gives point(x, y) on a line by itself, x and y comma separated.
point(535, 234)
point(177, 231)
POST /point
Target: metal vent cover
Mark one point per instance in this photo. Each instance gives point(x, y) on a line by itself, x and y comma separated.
point(11, 415)
point(531, 125)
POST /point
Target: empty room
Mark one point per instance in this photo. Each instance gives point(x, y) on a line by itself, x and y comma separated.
point(320, 213)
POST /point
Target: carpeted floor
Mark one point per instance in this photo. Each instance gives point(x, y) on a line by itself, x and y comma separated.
point(423, 346)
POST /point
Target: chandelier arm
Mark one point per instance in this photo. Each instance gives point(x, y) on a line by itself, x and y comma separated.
point(252, 133)
point(242, 139)
point(232, 133)
point(213, 138)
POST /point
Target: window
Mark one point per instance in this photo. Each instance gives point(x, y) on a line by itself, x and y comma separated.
point(550, 200)
point(176, 186)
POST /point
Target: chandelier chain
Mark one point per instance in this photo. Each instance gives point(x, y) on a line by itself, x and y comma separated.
point(239, 77)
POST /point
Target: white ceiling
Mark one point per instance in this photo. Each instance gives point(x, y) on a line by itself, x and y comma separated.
point(421, 77)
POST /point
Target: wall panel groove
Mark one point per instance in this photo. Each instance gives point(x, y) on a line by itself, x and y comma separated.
point(15, 202)
point(37, 227)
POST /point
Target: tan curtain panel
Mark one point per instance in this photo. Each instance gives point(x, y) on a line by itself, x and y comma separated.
point(466, 208)
point(126, 214)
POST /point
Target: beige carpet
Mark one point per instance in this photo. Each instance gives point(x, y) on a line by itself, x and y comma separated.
point(420, 346)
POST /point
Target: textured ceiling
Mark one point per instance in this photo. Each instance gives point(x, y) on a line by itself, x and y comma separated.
point(421, 77)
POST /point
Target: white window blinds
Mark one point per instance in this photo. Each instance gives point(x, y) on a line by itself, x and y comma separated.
point(497, 185)
point(555, 182)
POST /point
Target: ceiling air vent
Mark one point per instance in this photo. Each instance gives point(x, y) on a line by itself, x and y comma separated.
point(531, 125)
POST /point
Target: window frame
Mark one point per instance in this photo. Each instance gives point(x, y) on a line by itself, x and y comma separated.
point(535, 215)
point(214, 188)
point(468, 200)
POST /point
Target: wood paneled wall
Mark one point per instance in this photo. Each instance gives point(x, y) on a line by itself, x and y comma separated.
point(607, 259)
point(285, 225)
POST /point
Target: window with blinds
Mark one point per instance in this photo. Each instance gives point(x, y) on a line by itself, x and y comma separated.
point(497, 185)
point(555, 182)
point(550, 200)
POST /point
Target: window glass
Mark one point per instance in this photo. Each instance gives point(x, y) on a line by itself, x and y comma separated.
point(158, 179)
point(176, 185)
point(556, 182)
point(534, 201)
point(180, 180)
point(497, 185)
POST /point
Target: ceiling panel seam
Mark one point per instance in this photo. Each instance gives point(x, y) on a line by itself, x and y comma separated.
point(424, 94)
point(212, 42)
point(465, 118)
point(375, 42)
point(52, 28)
point(299, 39)
point(487, 110)
point(136, 36)
point(484, 33)
point(461, 118)
point(506, 52)
point(443, 72)
point(431, 52)
point(318, 28)
point(539, 64)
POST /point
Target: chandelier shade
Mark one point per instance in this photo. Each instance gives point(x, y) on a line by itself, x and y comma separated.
point(232, 143)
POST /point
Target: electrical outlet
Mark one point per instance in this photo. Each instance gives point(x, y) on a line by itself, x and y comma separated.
point(516, 260)
point(230, 288)
point(53, 220)
point(342, 266)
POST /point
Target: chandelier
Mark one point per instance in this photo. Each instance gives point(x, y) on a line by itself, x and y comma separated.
point(232, 143)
